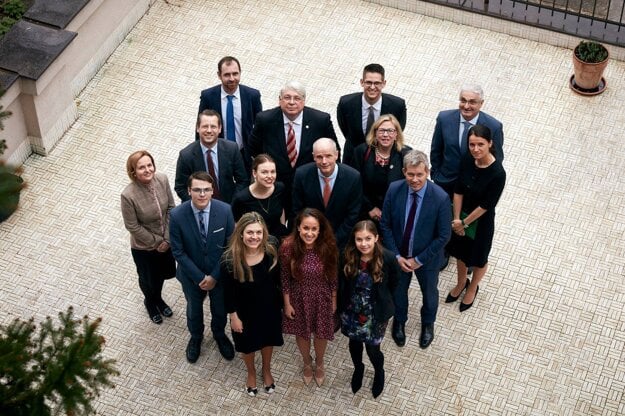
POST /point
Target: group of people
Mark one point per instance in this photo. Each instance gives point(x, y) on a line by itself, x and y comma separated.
point(284, 239)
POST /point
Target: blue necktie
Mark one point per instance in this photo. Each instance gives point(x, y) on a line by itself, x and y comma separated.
point(404, 250)
point(464, 142)
point(200, 216)
point(230, 132)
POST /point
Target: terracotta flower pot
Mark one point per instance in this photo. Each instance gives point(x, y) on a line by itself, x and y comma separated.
point(588, 77)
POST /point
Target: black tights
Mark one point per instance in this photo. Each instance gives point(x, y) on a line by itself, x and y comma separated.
point(373, 351)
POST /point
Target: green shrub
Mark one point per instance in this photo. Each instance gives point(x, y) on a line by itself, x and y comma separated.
point(14, 8)
point(5, 24)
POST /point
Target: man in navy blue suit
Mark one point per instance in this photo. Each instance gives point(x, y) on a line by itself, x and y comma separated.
point(219, 157)
point(416, 225)
point(199, 231)
point(356, 112)
point(449, 140)
point(243, 100)
point(343, 192)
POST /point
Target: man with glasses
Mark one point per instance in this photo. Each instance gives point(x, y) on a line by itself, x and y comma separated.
point(287, 133)
point(199, 230)
point(356, 112)
point(449, 142)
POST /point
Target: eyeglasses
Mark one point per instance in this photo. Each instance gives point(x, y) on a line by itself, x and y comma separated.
point(470, 102)
point(387, 131)
point(295, 98)
point(376, 84)
point(201, 190)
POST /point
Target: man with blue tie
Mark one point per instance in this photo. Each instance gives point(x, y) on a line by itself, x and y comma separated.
point(236, 104)
point(416, 225)
point(199, 231)
point(219, 157)
point(449, 142)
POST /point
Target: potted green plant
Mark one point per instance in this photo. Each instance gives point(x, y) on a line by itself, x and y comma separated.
point(589, 61)
point(11, 184)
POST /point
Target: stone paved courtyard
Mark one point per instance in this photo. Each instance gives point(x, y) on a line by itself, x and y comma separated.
point(547, 333)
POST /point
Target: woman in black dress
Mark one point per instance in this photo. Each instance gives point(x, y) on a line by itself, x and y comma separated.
point(379, 161)
point(367, 279)
point(264, 195)
point(480, 184)
point(252, 295)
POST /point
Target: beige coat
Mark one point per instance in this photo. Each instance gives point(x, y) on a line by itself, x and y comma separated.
point(141, 216)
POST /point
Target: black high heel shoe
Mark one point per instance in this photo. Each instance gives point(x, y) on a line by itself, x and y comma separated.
point(451, 299)
point(465, 306)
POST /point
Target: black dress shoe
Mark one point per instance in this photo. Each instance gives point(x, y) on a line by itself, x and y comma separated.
point(165, 310)
point(359, 371)
point(399, 333)
point(225, 347)
point(157, 319)
point(465, 306)
point(469, 270)
point(427, 335)
point(451, 298)
point(193, 350)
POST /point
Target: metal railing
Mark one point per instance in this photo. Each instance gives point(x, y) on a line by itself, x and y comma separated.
point(601, 20)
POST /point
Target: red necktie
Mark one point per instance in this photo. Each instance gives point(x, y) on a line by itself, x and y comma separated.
point(327, 191)
point(211, 171)
point(290, 145)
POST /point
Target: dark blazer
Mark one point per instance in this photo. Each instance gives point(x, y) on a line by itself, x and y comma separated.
point(364, 162)
point(232, 174)
point(432, 230)
point(268, 137)
point(382, 293)
point(349, 116)
point(196, 258)
point(344, 204)
point(445, 154)
point(250, 106)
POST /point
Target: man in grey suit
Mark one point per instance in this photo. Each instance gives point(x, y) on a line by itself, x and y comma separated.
point(199, 231)
point(356, 112)
point(450, 142)
point(220, 158)
point(333, 188)
point(244, 102)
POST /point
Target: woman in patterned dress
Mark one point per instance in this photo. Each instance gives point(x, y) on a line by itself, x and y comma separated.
point(308, 271)
point(367, 279)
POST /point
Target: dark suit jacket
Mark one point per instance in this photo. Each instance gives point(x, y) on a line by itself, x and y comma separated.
point(349, 116)
point(195, 258)
point(232, 174)
point(432, 230)
point(382, 292)
point(268, 137)
point(364, 162)
point(344, 205)
point(445, 154)
point(250, 106)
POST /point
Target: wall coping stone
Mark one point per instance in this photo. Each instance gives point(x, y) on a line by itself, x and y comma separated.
point(57, 13)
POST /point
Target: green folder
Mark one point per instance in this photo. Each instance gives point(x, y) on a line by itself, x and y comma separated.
point(471, 229)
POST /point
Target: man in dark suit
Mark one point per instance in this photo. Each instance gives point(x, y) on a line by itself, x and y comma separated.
point(416, 225)
point(199, 230)
point(220, 158)
point(450, 142)
point(243, 100)
point(356, 112)
point(287, 133)
point(333, 188)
